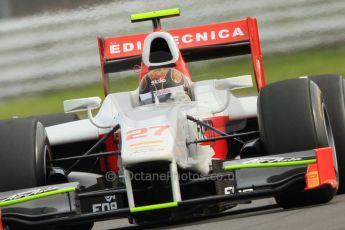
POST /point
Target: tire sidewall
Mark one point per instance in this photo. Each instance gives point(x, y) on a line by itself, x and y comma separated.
point(24, 152)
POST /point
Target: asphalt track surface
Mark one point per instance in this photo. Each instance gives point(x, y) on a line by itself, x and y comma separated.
point(259, 215)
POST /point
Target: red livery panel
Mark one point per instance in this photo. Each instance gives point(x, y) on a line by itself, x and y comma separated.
point(323, 171)
point(1, 226)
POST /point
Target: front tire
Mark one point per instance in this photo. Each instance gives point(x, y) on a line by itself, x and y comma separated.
point(24, 148)
point(293, 117)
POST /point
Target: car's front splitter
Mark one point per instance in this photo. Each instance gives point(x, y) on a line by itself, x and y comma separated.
point(313, 171)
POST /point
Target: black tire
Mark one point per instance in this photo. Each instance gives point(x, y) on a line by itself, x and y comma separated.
point(24, 148)
point(293, 117)
point(333, 90)
point(56, 118)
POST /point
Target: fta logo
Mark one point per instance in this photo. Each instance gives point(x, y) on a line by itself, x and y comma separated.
point(110, 204)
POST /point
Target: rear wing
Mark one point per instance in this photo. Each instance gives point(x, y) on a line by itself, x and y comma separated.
point(195, 43)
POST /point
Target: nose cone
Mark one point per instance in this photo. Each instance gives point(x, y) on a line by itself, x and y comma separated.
point(147, 140)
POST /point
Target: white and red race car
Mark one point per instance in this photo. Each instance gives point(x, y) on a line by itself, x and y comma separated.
point(175, 147)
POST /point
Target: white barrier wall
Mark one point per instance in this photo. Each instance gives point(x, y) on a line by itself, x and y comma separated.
point(57, 50)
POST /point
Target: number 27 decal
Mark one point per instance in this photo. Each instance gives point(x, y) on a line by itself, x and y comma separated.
point(145, 132)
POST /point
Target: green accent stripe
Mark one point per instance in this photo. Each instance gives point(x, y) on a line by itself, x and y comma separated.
point(154, 207)
point(37, 196)
point(155, 14)
point(273, 164)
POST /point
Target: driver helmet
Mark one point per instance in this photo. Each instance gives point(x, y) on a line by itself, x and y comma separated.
point(164, 84)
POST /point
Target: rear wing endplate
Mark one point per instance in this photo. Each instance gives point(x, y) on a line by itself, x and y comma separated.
point(195, 43)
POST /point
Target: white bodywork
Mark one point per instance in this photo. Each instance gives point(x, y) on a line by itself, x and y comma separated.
point(160, 131)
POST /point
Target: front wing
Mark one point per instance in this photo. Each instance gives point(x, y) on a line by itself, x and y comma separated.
point(253, 178)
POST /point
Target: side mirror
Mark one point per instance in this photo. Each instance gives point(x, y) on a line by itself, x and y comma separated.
point(85, 104)
point(81, 104)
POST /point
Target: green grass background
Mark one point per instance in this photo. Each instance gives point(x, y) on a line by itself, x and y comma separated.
point(277, 67)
